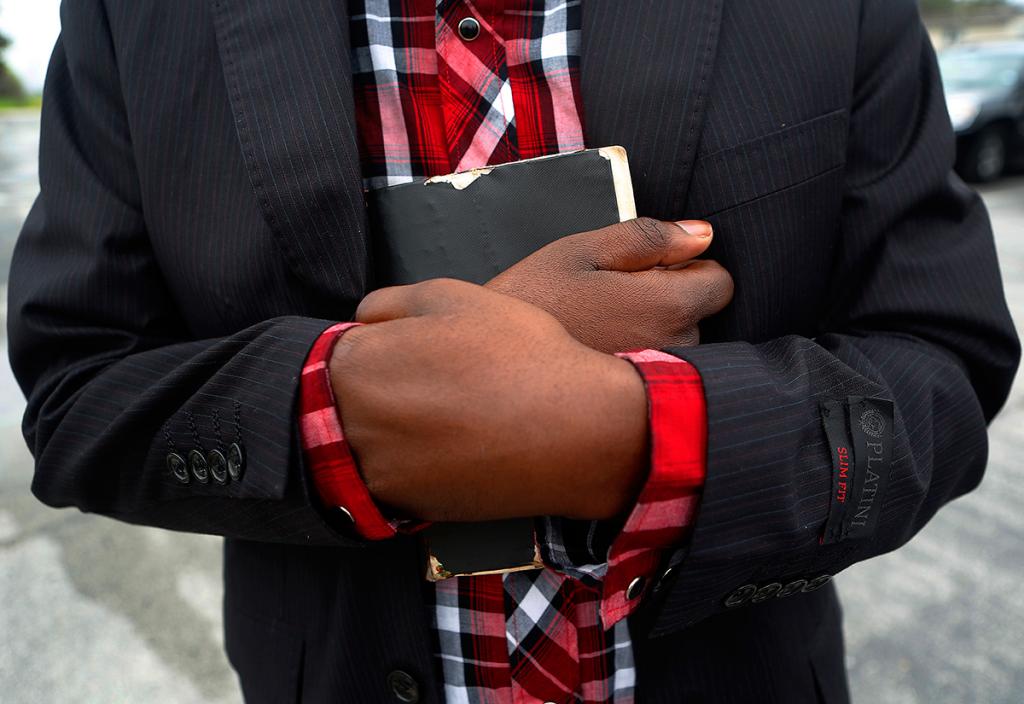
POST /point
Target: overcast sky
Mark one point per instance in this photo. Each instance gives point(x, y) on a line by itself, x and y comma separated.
point(33, 26)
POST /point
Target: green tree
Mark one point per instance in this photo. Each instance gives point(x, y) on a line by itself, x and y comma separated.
point(10, 86)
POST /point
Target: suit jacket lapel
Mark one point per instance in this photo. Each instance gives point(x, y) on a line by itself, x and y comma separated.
point(645, 72)
point(289, 78)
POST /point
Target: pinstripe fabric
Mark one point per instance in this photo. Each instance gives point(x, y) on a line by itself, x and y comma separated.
point(200, 224)
point(911, 309)
point(659, 109)
point(295, 122)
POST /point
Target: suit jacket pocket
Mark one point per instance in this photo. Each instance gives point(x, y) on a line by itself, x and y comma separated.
point(757, 168)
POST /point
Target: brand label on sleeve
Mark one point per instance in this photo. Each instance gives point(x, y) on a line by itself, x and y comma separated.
point(833, 417)
point(871, 430)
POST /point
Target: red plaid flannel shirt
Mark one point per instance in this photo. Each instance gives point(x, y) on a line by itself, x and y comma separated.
point(429, 102)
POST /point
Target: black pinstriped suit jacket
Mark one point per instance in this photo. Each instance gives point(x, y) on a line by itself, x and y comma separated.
point(201, 221)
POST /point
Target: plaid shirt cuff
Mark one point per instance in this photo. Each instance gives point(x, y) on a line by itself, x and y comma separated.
point(609, 555)
point(666, 508)
point(324, 447)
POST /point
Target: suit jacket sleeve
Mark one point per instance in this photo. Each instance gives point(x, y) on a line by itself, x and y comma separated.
point(919, 319)
point(115, 381)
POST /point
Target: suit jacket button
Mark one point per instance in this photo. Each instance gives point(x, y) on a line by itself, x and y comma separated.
point(766, 592)
point(817, 583)
point(176, 466)
point(200, 469)
point(666, 578)
point(740, 596)
point(403, 687)
point(792, 588)
point(218, 466)
point(236, 461)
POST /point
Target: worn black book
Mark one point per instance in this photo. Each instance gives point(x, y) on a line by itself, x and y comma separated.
point(472, 226)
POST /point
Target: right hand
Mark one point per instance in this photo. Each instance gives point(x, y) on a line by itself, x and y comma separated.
point(632, 285)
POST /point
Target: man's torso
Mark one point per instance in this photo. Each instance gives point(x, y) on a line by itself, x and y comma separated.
point(241, 119)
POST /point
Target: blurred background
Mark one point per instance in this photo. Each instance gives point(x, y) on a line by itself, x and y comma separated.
point(95, 611)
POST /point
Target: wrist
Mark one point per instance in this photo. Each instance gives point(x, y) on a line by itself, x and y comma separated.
point(617, 456)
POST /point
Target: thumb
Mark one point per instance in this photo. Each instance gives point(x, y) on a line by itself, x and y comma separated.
point(645, 243)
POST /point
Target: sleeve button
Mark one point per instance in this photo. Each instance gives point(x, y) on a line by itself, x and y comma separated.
point(740, 596)
point(766, 592)
point(200, 469)
point(236, 461)
point(817, 583)
point(218, 466)
point(177, 467)
point(792, 588)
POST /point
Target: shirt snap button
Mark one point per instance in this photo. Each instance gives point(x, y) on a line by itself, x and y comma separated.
point(469, 28)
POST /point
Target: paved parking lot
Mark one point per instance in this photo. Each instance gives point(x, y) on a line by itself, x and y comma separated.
point(94, 611)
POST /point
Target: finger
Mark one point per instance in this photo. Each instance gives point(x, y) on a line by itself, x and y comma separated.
point(705, 286)
point(680, 265)
point(435, 296)
point(642, 243)
point(384, 304)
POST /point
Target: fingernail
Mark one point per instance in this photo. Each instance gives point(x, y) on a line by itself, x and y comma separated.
point(696, 228)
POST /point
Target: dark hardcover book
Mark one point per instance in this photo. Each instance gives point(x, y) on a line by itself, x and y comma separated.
point(473, 225)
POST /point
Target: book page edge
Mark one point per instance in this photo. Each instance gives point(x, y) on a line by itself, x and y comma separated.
point(621, 180)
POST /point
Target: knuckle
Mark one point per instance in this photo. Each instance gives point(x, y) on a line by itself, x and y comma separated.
point(728, 285)
point(574, 252)
point(720, 286)
point(704, 298)
point(371, 303)
point(706, 282)
point(649, 233)
point(571, 246)
point(435, 296)
point(711, 285)
point(431, 285)
point(690, 337)
point(690, 310)
point(432, 289)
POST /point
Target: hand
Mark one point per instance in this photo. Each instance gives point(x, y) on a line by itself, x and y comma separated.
point(460, 403)
point(632, 285)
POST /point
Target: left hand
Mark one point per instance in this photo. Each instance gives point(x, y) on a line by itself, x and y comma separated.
point(460, 403)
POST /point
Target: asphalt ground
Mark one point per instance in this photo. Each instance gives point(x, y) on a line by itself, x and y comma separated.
point(95, 611)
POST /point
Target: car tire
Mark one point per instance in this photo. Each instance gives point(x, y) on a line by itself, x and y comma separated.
point(984, 159)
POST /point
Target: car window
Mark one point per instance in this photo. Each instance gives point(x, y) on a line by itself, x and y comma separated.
point(980, 71)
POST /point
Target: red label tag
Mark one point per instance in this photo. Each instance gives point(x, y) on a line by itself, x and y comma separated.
point(833, 417)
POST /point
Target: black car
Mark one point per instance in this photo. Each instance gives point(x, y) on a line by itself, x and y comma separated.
point(984, 86)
